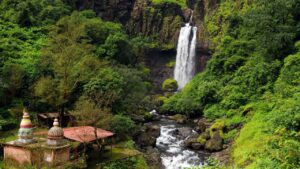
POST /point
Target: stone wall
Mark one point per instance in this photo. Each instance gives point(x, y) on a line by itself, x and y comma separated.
point(18, 154)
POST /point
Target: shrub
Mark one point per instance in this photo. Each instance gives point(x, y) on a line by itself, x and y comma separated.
point(214, 111)
point(122, 125)
point(230, 135)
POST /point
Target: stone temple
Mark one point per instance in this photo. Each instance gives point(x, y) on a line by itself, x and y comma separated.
point(52, 151)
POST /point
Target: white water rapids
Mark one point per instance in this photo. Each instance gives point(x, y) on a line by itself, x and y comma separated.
point(185, 67)
point(173, 154)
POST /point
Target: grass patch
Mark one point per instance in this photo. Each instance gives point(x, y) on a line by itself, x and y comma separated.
point(117, 152)
point(9, 135)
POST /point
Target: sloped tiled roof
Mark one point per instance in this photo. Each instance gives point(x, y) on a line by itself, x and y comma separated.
point(86, 134)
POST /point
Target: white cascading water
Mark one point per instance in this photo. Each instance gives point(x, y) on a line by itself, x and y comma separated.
point(173, 154)
point(185, 67)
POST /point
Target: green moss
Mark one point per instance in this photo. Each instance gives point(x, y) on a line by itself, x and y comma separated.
point(218, 125)
point(159, 100)
point(167, 46)
point(201, 140)
point(170, 85)
point(181, 3)
point(171, 64)
point(151, 10)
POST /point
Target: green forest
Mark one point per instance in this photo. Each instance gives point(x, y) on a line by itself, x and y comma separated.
point(90, 59)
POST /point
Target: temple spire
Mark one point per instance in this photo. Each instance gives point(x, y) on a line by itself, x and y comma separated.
point(26, 129)
point(55, 135)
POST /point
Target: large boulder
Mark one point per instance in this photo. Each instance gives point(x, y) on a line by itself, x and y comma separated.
point(148, 136)
point(194, 144)
point(215, 143)
point(189, 141)
point(152, 157)
point(184, 132)
point(200, 126)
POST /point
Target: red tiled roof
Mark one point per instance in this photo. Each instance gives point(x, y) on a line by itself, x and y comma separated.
point(85, 133)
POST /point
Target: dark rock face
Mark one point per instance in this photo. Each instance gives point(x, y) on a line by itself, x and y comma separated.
point(112, 10)
point(161, 21)
point(157, 61)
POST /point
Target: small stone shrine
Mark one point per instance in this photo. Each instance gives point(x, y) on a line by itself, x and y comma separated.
point(52, 151)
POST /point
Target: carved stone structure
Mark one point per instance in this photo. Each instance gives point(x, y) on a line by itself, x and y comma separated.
point(39, 151)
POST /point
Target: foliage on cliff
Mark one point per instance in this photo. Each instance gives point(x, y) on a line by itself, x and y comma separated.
point(181, 3)
point(251, 80)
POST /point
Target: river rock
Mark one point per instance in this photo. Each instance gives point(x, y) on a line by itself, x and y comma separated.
point(205, 135)
point(155, 116)
point(193, 144)
point(215, 143)
point(200, 127)
point(197, 146)
point(179, 118)
point(152, 156)
point(184, 132)
point(148, 137)
point(189, 141)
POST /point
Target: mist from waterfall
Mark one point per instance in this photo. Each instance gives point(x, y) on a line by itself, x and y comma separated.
point(185, 67)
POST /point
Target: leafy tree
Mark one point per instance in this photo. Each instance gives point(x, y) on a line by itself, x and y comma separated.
point(106, 88)
point(19, 50)
point(122, 125)
point(117, 46)
point(88, 113)
point(68, 61)
point(32, 12)
point(12, 80)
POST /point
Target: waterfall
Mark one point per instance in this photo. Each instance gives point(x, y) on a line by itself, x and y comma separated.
point(186, 55)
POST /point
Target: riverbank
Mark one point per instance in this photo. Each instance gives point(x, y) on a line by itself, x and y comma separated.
point(182, 142)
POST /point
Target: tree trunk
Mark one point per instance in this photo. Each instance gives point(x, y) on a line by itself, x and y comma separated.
point(61, 115)
point(97, 141)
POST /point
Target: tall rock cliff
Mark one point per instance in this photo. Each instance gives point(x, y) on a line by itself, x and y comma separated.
point(160, 21)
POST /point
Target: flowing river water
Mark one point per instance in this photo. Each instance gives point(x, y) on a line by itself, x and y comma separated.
point(173, 153)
